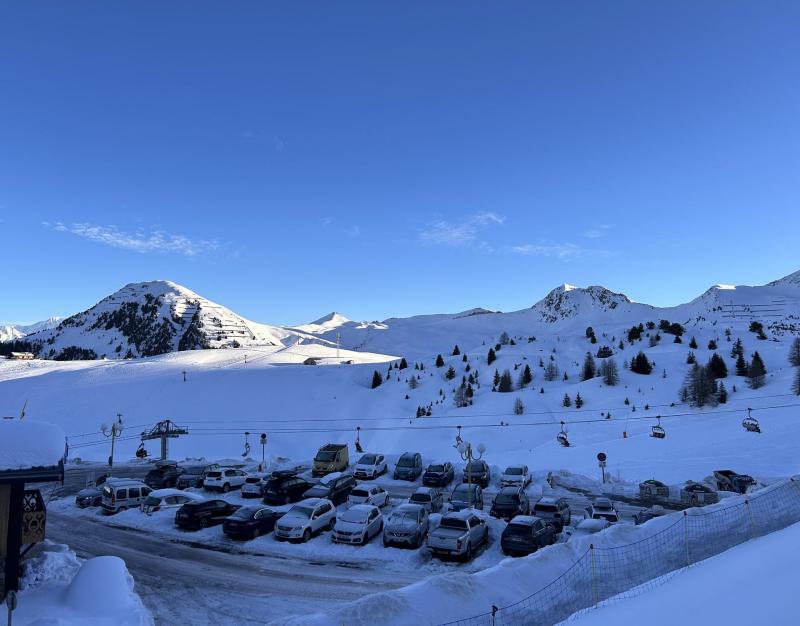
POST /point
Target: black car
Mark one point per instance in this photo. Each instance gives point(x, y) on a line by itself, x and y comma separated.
point(250, 522)
point(409, 466)
point(195, 515)
point(526, 534)
point(477, 472)
point(194, 475)
point(554, 511)
point(510, 502)
point(162, 477)
point(91, 496)
point(285, 489)
point(438, 475)
point(334, 487)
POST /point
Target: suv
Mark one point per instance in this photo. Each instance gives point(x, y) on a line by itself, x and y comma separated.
point(516, 475)
point(368, 494)
point(525, 535)
point(409, 466)
point(358, 524)
point(408, 525)
point(438, 474)
point(253, 487)
point(370, 466)
point(285, 488)
point(697, 494)
point(122, 494)
point(458, 535)
point(466, 496)
point(164, 475)
point(194, 475)
point(603, 508)
point(334, 487)
point(510, 502)
point(477, 472)
point(332, 457)
point(196, 515)
point(554, 511)
point(224, 479)
point(307, 517)
point(429, 498)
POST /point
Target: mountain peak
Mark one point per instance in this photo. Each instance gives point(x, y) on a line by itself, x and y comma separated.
point(791, 280)
point(567, 301)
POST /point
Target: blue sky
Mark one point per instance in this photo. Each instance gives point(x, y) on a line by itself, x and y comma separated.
point(380, 159)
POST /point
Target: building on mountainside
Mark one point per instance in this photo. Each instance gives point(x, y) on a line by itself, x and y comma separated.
point(21, 356)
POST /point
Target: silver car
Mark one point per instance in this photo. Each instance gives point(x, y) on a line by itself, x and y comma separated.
point(407, 525)
point(306, 518)
point(358, 524)
point(429, 498)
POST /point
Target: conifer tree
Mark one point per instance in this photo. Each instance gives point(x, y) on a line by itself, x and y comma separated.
point(526, 377)
point(741, 365)
point(716, 365)
point(693, 343)
point(377, 379)
point(578, 400)
point(712, 345)
point(796, 382)
point(506, 383)
point(794, 352)
point(566, 377)
point(589, 367)
point(690, 358)
point(413, 383)
point(722, 394)
point(403, 364)
point(450, 374)
point(491, 357)
point(496, 378)
point(456, 351)
point(738, 349)
point(439, 360)
point(609, 372)
point(566, 401)
point(757, 372)
point(641, 365)
point(519, 407)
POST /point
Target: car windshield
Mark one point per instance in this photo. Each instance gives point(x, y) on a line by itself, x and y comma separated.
point(245, 513)
point(545, 508)
point(507, 498)
point(475, 466)
point(406, 461)
point(453, 522)
point(193, 471)
point(214, 474)
point(355, 517)
point(252, 480)
point(325, 455)
point(367, 459)
point(611, 517)
point(319, 490)
point(461, 492)
point(518, 529)
point(152, 501)
point(435, 468)
point(514, 471)
point(305, 511)
point(399, 516)
point(421, 497)
point(359, 493)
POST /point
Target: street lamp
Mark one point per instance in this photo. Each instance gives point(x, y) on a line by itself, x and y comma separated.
point(113, 432)
point(465, 450)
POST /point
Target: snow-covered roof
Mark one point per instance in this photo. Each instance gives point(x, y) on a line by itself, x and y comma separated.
point(26, 444)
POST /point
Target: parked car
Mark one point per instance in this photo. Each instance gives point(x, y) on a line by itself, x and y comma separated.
point(169, 498)
point(165, 474)
point(438, 474)
point(358, 524)
point(196, 515)
point(516, 475)
point(430, 498)
point(554, 511)
point(368, 494)
point(90, 496)
point(653, 489)
point(194, 475)
point(335, 487)
point(332, 457)
point(697, 494)
point(510, 502)
point(645, 515)
point(526, 534)
point(306, 518)
point(122, 494)
point(603, 508)
point(477, 472)
point(285, 488)
point(253, 487)
point(466, 496)
point(458, 534)
point(407, 525)
point(728, 480)
point(250, 522)
point(370, 466)
point(409, 466)
point(224, 479)
point(586, 527)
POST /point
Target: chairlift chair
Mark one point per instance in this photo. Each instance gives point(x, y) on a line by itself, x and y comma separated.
point(657, 431)
point(750, 423)
point(141, 451)
point(359, 449)
point(562, 438)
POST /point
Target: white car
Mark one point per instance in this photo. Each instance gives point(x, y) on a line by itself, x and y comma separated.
point(358, 524)
point(161, 499)
point(603, 509)
point(516, 476)
point(253, 487)
point(370, 466)
point(307, 517)
point(224, 479)
point(586, 527)
point(368, 494)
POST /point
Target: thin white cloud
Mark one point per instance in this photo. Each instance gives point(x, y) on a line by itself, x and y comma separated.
point(154, 240)
point(560, 251)
point(352, 231)
point(597, 232)
point(459, 234)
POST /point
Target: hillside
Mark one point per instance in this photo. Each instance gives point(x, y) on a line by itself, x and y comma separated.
point(9, 332)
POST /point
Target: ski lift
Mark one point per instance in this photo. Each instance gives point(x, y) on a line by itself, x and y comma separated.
point(459, 440)
point(657, 431)
point(561, 437)
point(750, 423)
point(141, 452)
point(246, 452)
point(359, 449)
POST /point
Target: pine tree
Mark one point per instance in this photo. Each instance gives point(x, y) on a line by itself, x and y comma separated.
point(756, 373)
point(716, 365)
point(377, 379)
point(699, 387)
point(678, 339)
point(551, 372)
point(794, 352)
point(506, 383)
point(491, 357)
point(722, 394)
point(526, 377)
point(450, 374)
point(712, 345)
point(464, 358)
point(456, 351)
point(738, 349)
point(589, 367)
point(566, 377)
point(519, 407)
point(504, 338)
point(566, 401)
point(403, 364)
point(496, 378)
point(641, 365)
point(604, 352)
point(741, 365)
point(439, 360)
point(460, 398)
point(609, 372)
point(796, 382)
point(578, 400)
point(693, 343)
point(690, 358)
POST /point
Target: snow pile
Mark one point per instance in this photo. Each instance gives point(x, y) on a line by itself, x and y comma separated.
point(26, 444)
point(58, 589)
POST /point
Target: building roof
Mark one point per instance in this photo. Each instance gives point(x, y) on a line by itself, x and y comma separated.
point(27, 444)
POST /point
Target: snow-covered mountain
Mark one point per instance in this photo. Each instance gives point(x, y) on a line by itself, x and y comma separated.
point(568, 302)
point(17, 331)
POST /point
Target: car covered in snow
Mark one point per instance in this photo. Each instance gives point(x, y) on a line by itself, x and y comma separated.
point(370, 466)
point(586, 527)
point(406, 525)
point(224, 479)
point(466, 496)
point(285, 487)
point(645, 515)
point(603, 508)
point(335, 487)
point(458, 535)
point(554, 511)
point(197, 515)
point(430, 498)
point(368, 494)
point(306, 518)
point(438, 474)
point(169, 498)
point(517, 475)
point(477, 472)
point(253, 487)
point(698, 494)
point(525, 534)
point(194, 475)
point(358, 524)
point(408, 467)
point(250, 522)
point(510, 502)
point(653, 489)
